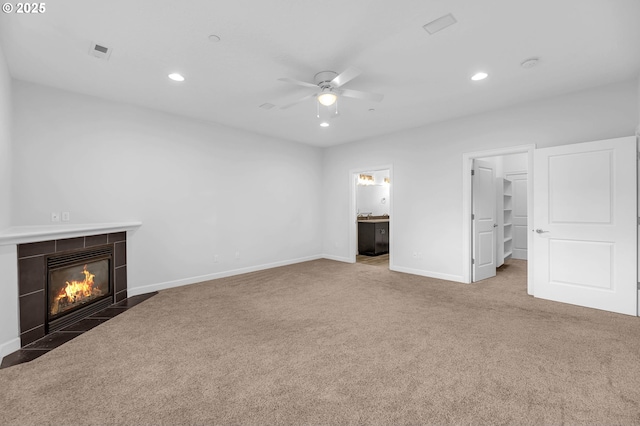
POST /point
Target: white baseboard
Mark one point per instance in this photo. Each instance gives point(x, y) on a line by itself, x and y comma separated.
point(134, 291)
point(337, 258)
point(430, 274)
point(9, 347)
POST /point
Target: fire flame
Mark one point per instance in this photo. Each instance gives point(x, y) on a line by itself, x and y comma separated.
point(76, 291)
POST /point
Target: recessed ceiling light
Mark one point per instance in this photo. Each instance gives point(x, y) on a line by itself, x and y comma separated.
point(324, 124)
point(214, 38)
point(530, 63)
point(176, 77)
point(479, 76)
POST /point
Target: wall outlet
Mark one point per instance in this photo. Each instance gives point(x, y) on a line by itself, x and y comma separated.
point(216, 258)
point(65, 216)
point(415, 254)
point(237, 255)
point(55, 217)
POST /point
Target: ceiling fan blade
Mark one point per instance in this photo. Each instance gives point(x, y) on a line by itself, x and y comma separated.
point(298, 101)
point(345, 76)
point(367, 96)
point(298, 82)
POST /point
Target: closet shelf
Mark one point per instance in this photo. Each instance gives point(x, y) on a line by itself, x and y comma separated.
point(505, 219)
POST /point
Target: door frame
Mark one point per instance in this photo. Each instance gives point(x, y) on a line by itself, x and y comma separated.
point(467, 194)
point(353, 213)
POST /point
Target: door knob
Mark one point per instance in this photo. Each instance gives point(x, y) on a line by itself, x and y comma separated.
point(495, 225)
point(540, 231)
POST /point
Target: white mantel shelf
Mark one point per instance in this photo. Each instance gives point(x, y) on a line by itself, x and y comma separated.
point(33, 234)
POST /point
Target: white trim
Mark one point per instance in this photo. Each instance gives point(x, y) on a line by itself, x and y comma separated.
point(32, 234)
point(9, 347)
point(134, 291)
point(353, 229)
point(467, 164)
point(338, 258)
point(430, 274)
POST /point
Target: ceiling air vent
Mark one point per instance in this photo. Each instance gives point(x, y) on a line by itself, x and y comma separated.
point(439, 24)
point(99, 51)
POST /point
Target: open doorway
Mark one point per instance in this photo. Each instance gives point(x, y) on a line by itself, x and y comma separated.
point(371, 216)
point(497, 205)
point(511, 201)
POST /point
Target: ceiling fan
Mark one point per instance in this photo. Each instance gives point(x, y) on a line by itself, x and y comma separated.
point(328, 86)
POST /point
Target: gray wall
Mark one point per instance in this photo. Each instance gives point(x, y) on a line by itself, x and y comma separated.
point(8, 259)
point(427, 169)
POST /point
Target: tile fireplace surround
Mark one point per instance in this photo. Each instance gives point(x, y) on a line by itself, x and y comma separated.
point(34, 244)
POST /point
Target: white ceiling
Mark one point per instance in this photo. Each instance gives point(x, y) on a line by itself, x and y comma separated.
point(425, 78)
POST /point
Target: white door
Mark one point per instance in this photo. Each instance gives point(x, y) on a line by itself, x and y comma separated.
point(484, 220)
point(585, 247)
point(519, 214)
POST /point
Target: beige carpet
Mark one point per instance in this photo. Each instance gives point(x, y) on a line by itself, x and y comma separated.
point(331, 343)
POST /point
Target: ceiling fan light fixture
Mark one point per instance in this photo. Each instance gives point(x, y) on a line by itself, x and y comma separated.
point(327, 98)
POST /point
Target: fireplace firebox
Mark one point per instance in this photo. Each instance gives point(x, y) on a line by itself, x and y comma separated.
point(78, 284)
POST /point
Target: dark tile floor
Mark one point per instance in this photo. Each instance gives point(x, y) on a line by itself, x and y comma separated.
point(53, 340)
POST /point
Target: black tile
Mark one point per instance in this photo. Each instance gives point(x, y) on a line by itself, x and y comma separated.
point(85, 324)
point(35, 343)
point(33, 249)
point(120, 279)
point(31, 335)
point(69, 244)
point(22, 356)
point(117, 236)
point(121, 296)
point(95, 240)
point(108, 312)
point(32, 310)
point(134, 300)
point(120, 253)
point(31, 274)
point(53, 340)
